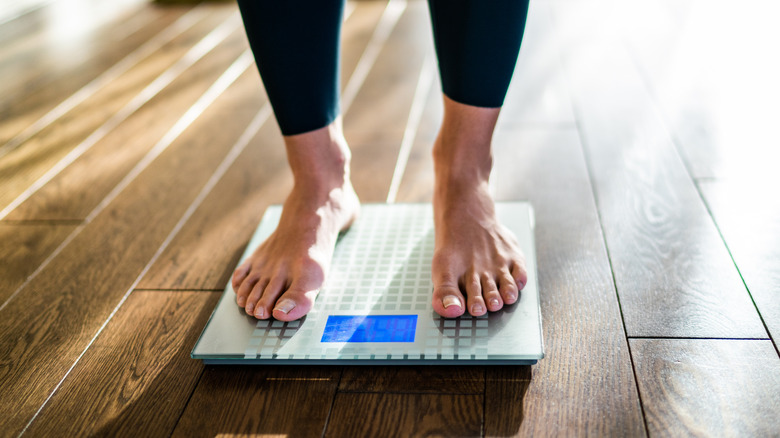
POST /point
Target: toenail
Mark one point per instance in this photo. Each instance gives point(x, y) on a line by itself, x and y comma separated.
point(494, 302)
point(476, 308)
point(241, 301)
point(520, 285)
point(450, 300)
point(259, 312)
point(249, 307)
point(285, 306)
point(511, 296)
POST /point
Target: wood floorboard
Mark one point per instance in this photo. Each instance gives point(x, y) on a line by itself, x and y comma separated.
point(35, 86)
point(137, 377)
point(24, 247)
point(408, 415)
point(59, 311)
point(672, 271)
point(24, 165)
point(505, 391)
point(585, 345)
point(414, 379)
point(700, 387)
point(80, 187)
point(260, 401)
point(42, 53)
point(380, 112)
point(207, 250)
point(748, 216)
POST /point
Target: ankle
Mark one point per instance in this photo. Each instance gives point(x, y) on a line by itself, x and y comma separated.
point(320, 158)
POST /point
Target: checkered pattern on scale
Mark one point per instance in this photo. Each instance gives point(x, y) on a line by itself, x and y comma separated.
point(382, 264)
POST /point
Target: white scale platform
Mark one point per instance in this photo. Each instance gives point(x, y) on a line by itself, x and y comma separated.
point(375, 307)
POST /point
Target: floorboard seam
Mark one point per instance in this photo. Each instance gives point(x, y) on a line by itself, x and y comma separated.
point(583, 142)
point(192, 393)
point(123, 65)
point(224, 81)
point(332, 404)
point(686, 165)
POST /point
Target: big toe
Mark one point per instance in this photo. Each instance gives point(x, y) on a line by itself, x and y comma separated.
point(448, 301)
point(294, 303)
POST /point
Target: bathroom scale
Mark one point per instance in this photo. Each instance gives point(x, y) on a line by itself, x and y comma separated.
point(375, 306)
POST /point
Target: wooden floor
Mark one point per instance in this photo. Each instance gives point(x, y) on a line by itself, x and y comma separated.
point(138, 153)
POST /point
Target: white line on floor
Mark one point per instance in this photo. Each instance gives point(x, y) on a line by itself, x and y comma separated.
point(105, 78)
point(231, 74)
point(410, 132)
point(193, 55)
point(384, 27)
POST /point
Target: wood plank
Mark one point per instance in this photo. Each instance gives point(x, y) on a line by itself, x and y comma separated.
point(24, 247)
point(285, 401)
point(708, 387)
point(405, 415)
point(578, 387)
point(54, 317)
point(24, 165)
point(375, 123)
point(748, 217)
point(672, 271)
point(41, 70)
point(414, 379)
point(505, 391)
point(137, 377)
point(80, 187)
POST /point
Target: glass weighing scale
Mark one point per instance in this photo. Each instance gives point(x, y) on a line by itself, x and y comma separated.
point(375, 307)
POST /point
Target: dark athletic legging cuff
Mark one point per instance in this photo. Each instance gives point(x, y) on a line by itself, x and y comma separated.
point(296, 47)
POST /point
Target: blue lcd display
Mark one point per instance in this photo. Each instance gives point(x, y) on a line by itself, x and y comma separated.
point(370, 328)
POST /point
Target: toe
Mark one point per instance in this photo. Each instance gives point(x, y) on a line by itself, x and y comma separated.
point(254, 296)
point(246, 287)
point(490, 293)
point(448, 301)
point(296, 302)
point(270, 293)
point(519, 273)
point(507, 287)
point(475, 303)
point(240, 274)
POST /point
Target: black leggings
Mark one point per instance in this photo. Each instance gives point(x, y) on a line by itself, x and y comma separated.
point(296, 47)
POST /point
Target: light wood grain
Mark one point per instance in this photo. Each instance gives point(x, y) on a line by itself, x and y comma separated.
point(672, 271)
point(708, 387)
point(59, 311)
point(748, 215)
point(139, 365)
point(288, 401)
point(505, 391)
point(42, 69)
point(585, 346)
point(25, 164)
point(384, 415)
point(75, 191)
point(23, 248)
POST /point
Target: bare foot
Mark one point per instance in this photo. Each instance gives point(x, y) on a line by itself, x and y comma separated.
point(477, 263)
point(284, 275)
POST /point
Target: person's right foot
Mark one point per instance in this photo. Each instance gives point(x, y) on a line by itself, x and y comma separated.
point(284, 275)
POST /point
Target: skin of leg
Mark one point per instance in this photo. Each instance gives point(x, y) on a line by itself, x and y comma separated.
point(477, 264)
point(283, 276)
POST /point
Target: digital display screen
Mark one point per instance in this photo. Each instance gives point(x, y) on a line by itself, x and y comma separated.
point(370, 328)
